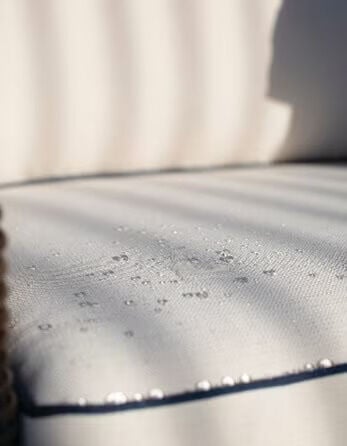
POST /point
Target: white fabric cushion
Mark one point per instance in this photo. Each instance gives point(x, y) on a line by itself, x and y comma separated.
point(105, 85)
point(128, 284)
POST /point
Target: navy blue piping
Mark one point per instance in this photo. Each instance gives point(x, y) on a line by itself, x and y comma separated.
point(35, 411)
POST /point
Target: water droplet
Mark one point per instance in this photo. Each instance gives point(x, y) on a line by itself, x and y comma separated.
point(156, 394)
point(80, 294)
point(108, 273)
point(203, 385)
point(225, 256)
point(174, 232)
point(122, 257)
point(135, 277)
point(146, 282)
point(45, 327)
point(227, 381)
point(129, 302)
point(202, 294)
point(188, 294)
point(226, 259)
point(32, 267)
point(162, 301)
point(129, 334)
point(245, 379)
point(193, 260)
point(12, 324)
point(228, 293)
point(325, 363)
point(116, 398)
point(89, 304)
point(152, 259)
point(309, 366)
point(138, 397)
point(269, 272)
point(82, 401)
point(241, 280)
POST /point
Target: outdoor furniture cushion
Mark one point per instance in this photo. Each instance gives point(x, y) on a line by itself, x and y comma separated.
point(180, 308)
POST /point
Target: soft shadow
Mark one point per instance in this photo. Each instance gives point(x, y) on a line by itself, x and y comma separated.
point(309, 72)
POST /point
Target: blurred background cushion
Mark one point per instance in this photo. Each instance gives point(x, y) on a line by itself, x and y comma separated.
point(127, 284)
point(115, 85)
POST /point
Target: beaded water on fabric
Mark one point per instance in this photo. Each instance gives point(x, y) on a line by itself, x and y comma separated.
point(8, 404)
point(118, 398)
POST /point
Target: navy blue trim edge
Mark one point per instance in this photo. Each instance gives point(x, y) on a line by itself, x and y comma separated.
point(35, 411)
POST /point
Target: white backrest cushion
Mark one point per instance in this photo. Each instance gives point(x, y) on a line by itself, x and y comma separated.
point(111, 85)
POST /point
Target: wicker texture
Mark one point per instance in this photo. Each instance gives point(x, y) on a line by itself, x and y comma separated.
point(7, 396)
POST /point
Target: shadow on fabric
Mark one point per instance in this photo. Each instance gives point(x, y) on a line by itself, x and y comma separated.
point(309, 72)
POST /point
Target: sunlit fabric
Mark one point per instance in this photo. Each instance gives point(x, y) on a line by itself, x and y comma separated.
point(157, 285)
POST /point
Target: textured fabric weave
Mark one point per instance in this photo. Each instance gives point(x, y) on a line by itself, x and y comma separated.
point(129, 284)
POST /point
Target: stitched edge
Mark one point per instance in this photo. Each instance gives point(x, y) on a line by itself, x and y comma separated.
point(39, 411)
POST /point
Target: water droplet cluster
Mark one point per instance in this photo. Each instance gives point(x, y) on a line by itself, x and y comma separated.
point(204, 385)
